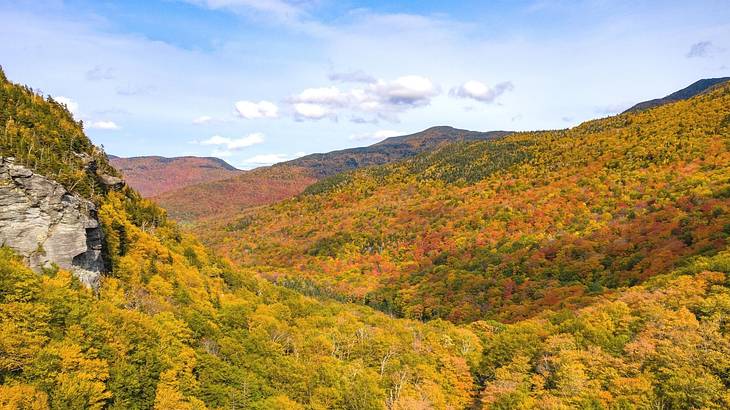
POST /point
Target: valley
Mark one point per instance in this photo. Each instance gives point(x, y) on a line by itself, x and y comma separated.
point(364, 205)
point(577, 268)
point(505, 229)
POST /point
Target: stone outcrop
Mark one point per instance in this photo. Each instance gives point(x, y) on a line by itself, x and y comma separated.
point(47, 225)
point(111, 182)
point(91, 167)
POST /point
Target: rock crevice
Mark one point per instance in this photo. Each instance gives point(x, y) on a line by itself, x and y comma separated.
point(47, 225)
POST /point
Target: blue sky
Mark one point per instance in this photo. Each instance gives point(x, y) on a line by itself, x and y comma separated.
point(256, 81)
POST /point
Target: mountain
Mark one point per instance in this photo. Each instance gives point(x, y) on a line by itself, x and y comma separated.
point(153, 175)
point(171, 325)
point(504, 229)
point(167, 324)
point(221, 198)
point(389, 150)
point(696, 88)
point(48, 225)
point(51, 177)
point(266, 185)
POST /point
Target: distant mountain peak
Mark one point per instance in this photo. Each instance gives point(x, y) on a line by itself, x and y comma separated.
point(154, 175)
point(388, 150)
point(696, 88)
point(440, 128)
point(268, 184)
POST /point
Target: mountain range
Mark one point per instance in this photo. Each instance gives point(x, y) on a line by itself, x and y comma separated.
point(507, 227)
point(389, 150)
point(581, 268)
point(154, 175)
point(190, 188)
point(224, 190)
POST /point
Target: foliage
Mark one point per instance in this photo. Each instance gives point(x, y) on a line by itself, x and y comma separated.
point(386, 151)
point(506, 228)
point(152, 176)
point(41, 134)
point(662, 345)
point(170, 332)
point(541, 221)
point(222, 198)
point(173, 327)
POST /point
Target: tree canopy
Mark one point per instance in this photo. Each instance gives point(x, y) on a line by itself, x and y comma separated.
point(585, 268)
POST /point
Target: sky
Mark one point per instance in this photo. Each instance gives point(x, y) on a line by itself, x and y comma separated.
point(256, 82)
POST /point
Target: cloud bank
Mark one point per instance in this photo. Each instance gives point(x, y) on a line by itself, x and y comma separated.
point(477, 90)
point(268, 159)
point(104, 125)
point(378, 99)
point(252, 110)
point(234, 144)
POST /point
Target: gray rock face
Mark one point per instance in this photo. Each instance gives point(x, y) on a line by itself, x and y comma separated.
point(46, 224)
point(111, 182)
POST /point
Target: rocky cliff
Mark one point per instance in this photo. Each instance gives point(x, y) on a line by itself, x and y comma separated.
point(48, 225)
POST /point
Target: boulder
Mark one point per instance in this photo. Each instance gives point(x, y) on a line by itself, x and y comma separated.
point(47, 225)
point(111, 182)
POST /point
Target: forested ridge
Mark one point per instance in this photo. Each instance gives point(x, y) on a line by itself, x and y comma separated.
point(223, 198)
point(41, 134)
point(173, 326)
point(152, 176)
point(504, 229)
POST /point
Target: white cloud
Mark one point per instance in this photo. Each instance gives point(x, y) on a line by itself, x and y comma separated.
point(221, 153)
point(262, 109)
point(407, 90)
point(383, 99)
point(479, 91)
point(323, 95)
point(311, 111)
point(104, 125)
point(375, 136)
point(290, 13)
point(71, 105)
point(203, 119)
point(233, 144)
point(269, 159)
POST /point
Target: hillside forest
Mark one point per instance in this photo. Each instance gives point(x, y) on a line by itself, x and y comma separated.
point(583, 268)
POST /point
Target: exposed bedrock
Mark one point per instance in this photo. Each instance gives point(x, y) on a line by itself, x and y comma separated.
point(47, 225)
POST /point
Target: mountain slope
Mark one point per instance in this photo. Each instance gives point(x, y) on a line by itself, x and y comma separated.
point(152, 176)
point(389, 150)
point(223, 198)
point(173, 327)
point(267, 185)
point(41, 134)
point(660, 345)
point(696, 88)
point(506, 228)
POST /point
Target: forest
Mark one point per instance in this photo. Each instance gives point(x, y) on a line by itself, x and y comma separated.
point(504, 229)
point(583, 268)
point(172, 326)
